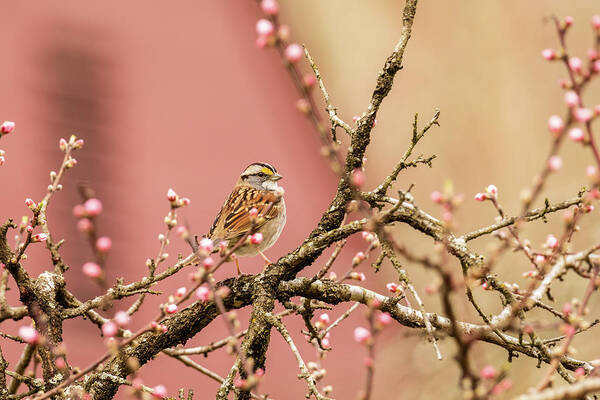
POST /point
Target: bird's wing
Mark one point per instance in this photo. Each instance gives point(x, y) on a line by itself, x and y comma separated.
point(233, 221)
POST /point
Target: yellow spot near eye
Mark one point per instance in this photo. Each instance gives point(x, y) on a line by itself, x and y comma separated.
point(266, 170)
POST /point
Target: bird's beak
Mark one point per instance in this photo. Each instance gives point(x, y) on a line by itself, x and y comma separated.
point(276, 177)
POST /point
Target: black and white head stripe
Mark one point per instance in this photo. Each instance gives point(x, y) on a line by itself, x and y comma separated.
point(261, 169)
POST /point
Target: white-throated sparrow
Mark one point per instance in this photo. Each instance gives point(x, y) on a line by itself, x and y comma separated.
point(255, 188)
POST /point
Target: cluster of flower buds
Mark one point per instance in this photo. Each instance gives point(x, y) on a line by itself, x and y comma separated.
point(158, 328)
point(491, 193)
point(177, 201)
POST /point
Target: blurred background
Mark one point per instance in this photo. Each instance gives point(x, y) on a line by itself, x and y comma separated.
point(177, 95)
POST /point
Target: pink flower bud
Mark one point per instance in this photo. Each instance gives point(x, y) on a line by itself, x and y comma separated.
point(555, 163)
point(569, 330)
point(564, 83)
point(184, 201)
point(362, 335)
point(549, 54)
point(92, 270)
point(555, 124)
point(436, 196)
point(358, 258)
point(171, 195)
point(159, 391)
point(567, 309)
point(2, 160)
point(171, 308)
point(257, 238)
point(576, 134)
point(492, 189)
point(597, 109)
point(253, 212)
point(293, 52)
point(571, 98)
point(109, 329)
point(103, 244)
point(488, 372)
point(122, 318)
point(208, 263)
point(62, 144)
point(392, 287)
point(303, 106)
point(269, 7)
point(596, 66)
point(358, 276)
point(357, 178)
point(596, 21)
point(7, 127)
point(486, 285)
point(181, 292)
point(39, 237)
point(29, 228)
point(29, 334)
point(79, 211)
point(569, 20)
point(592, 54)
point(481, 197)
point(540, 259)
point(384, 318)
point(93, 207)
point(203, 293)
point(85, 225)
point(182, 232)
point(261, 42)
point(30, 203)
point(575, 64)
point(583, 114)
point(580, 372)
point(206, 245)
point(283, 32)
point(309, 80)
point(264, 27)
point(78, 144)
point(324, 318)
point(551, 241)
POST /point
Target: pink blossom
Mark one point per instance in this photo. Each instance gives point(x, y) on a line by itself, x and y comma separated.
point(103, 244)
point(569, 20)
point(29, 334)
point(253, 212)
point(576, 134)
point(564, 83)
point(324, 318)
point(567, 309)
point(203, 293)
point(362, 335)
point(488, 372)
point(358, 276)
point(93, 207)
point(171, 308)
point(596, 21)
point(591, 171)
point(357, 178)
point(580, 371)
point(182, 232)
point(392, 287)
point(84, 225)
point(571, 98)
point(582, 114)
point(358, 258)
point(549, 54)
point(283, 32)
point(261, 42)
point(597, 109)
point(384, 318)
point(575, 64)
point(62, 144)
point(184, 201)
point(555, 124)
point(30, 203)
point(257, 238)
point(309, 80)
point(551, 241)
point(592, 54)
point(481, 197)
point(7, 127)
point(2, 160)
point(486, 285)
point(29, 228)
point(436, 196)
point(109, 329)
point(555, 163)
point(264, 27)
point(206, 245)
point(540, 259)
point(78, 144)
point(208, 263)
point(492, 189)
point(293, 52)
point(368, 236)
point(121, 318)
point(92, 270)
point(568, 329)
point(596, 66)
point(181, 292)
point(269, 7)
point(159, 391)
point(39, 237)
point(303, 106)
point(171, 195)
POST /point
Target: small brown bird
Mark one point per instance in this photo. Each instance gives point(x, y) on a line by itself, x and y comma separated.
point(255, 188)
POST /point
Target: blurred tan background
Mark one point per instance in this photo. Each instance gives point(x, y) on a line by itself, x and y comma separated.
point(178, 96)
